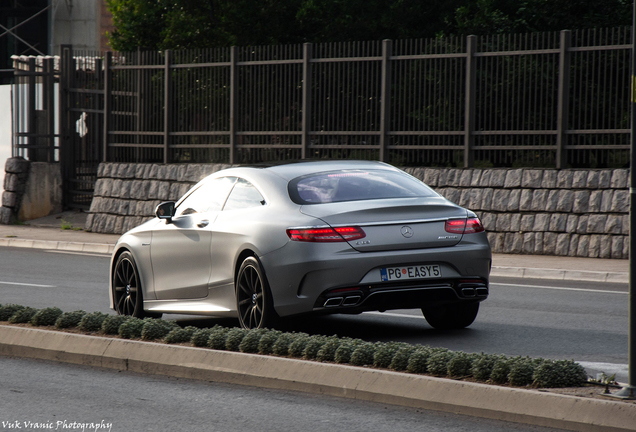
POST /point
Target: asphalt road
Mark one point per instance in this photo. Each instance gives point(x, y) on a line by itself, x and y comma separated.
point(583, 321)
point(69, 396)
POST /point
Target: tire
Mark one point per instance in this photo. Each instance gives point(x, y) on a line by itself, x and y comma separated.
point(127, 293)
point(253, 297)
point(451, 316)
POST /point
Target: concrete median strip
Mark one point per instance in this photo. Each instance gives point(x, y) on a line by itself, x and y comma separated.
point(58, 245)
point(481, 400)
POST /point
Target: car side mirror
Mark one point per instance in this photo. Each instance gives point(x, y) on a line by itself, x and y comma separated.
point(165, 210)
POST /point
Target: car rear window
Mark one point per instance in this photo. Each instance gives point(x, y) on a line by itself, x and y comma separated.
point(355, 185)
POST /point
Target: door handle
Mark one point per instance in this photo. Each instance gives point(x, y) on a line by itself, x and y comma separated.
point(203, 223)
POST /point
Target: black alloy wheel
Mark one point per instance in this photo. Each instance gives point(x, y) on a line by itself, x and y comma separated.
point(451, 316)
point(127, 296)
point(253, 300)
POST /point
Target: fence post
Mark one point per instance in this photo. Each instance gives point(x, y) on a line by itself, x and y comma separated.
point(108, 89)
point(233, 93)
point(48, 102)
point(306, 117)
point(563, 97)
point(167, 111)
point(32, 152)
point(65, 120)
point(469, 119)
point(387, 52)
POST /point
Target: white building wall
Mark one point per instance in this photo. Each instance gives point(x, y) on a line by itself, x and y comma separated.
point(77, 25)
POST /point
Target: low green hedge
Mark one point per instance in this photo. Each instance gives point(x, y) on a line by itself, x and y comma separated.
point(398, 356)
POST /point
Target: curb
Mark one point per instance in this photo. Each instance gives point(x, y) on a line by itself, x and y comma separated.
point(480, 400)
point(102, 248)
point(558, 274)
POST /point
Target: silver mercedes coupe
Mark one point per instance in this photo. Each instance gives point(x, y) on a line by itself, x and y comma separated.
point(266, 242)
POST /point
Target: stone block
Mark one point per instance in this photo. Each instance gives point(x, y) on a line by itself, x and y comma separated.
point(107, 170)
point(453, 195)
point(97, 191)
point(581, 201)
point(9, 199)
point(431, 177)
point(528, 243)
point(625, 247)
point(558, 222)
point(465, 178)
point(498, 178)
point(184, 188)
point(164, 191)
point(527, 223)
point(489, 220)
point(513, 243)
point(594, 248)
point(620, 179)
point(579, 179)
point(541, 222)
point(125, 188)
point(606, 247)
point(515, 222)
point(452, 178)
point(139, 189)
point(532, 178)
point(500, 199)
point(513, 178)
point(124, 206)
point(126, 171)
point(581, 227)
point(625, 224)
point(476, 179)
point(552, 201)
point(525, 200)
point(572, 223)
point(100, 170)
point(614, 224)
point(574, 244)
point(464, 197)
point(117, 186)
point(592, 180)
point(617, 247)
point(484, 181)
point(119, 225)
point(620, 202)
point(503, 222)
point(549, 243)
point(513, 200)
point(443, 175)
point(606, 201)
point(596, 223)
point(16, 165)
point(596, 198)
point(181, 174)
point(538, 243)
point(604, 179)
point(497, 241)
point(153, 190)
point(539, 200)
point(154, 172)
point(11, 182)
point(549, 179)
point(583, 248)
point(564, 179)
point(565, 201)
point(486, 199)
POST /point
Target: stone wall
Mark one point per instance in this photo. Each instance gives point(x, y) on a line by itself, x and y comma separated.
point(532, 211)
point(15, 179)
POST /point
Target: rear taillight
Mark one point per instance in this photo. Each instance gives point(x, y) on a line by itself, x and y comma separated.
point(324, 235)
point(464, 226)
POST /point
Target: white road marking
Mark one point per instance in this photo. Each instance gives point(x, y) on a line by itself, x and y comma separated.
point(389, 314)
point(79, 253)
point(27, 284)
point(559, 288)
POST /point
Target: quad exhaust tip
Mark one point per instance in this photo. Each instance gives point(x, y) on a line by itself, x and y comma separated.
point(342, 301)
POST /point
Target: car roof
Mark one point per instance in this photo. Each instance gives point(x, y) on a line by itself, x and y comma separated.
point(292, 170)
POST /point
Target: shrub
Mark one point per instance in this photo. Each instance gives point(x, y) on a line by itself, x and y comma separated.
point(23, 315)
point(200, 337)
point(575, 374)
point(7, 311)
point(111, 324)
point(418, 360)
point(217, 337)
point(327, 352)
point(363, 354)
point(500, 370)
point(284, 341)
point(297, 347)
point(437, 363)
point(46, 316)
point(313, 346)
point(180, 335)
point(249, 344)
point(482, 366)
point(521, 371)
point(385, 352)
point(234, 338)
point(461, 365)
point(70, 319)
point(401, 358)
point(559, 373)
point(132, 328)
point(266, 344)
point(346, 348)
point(157, 329)
point(92, 322)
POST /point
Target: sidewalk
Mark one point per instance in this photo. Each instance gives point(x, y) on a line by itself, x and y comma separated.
point(47, 233)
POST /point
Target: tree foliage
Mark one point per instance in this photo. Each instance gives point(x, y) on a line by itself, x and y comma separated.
point(178, 24)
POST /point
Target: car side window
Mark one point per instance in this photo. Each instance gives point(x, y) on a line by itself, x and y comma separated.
point(244, 195)
point(210, 196)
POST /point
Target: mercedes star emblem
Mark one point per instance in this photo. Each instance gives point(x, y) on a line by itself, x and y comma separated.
point(407, 231)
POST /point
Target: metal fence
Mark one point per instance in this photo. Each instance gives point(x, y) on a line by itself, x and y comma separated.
point(540, 99)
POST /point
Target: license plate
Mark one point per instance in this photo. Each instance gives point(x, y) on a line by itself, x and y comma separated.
point(411, 272)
